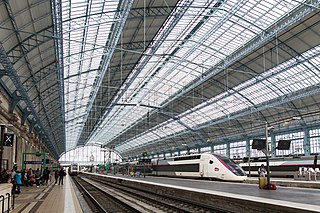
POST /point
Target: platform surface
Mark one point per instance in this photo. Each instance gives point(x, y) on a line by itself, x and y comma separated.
point(292, 194)
point(48, 199)
point(289, 196)
point(289, 182)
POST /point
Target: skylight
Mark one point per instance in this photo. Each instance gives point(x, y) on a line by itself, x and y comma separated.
point(206, 34)
point(86, 26)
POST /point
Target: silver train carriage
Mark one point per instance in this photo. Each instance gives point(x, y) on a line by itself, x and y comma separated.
point(74, 169)
point(281, 167)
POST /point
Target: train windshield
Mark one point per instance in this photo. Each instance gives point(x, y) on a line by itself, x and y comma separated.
point(74, 167)
point(233, 167)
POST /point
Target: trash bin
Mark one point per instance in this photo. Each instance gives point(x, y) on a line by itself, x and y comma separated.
point(262, 182)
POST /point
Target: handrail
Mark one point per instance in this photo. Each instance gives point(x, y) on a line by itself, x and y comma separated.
point(1, 196)
point(10, 195)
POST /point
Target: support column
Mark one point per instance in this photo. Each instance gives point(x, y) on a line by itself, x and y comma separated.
point(228, 150)
point(306, 142)
point(273, 145)
point(248, 152)
point(1, 145)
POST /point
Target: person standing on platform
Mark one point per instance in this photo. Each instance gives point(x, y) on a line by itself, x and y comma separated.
point(5, 177)
point(18, 181)
point(262, 176)
point(24, 177)
point(62, 173)
point(37, 175)
point(29, 176)
point(46, 174)
point(13, 180)
point(262, 171)
point(56, 176)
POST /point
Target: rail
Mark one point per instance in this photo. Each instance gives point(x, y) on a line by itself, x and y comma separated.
point(6, 208)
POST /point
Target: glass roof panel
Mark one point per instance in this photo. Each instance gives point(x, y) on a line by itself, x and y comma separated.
point(287, 78)
point(85, 35)
point(110, 129)
point(206, 33)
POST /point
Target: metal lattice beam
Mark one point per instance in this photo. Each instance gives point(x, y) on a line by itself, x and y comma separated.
point(19, 87)
point(117, 30)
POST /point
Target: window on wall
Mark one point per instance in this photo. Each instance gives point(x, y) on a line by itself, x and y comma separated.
point(205, 149)
point(315, 145)
point(296, 147)
point(89, 154)
point(220, 149)
point(238, 150)
point(315, 141)
point(168, 155)
point(183, 152)
point(193, 151)
point(175, 153)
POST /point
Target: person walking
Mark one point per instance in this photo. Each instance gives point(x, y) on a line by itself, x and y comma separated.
point(62, 173)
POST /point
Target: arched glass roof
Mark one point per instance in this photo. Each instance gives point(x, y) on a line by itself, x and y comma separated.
point(143, 75)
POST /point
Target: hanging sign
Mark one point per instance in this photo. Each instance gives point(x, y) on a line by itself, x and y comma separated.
point(8, 139)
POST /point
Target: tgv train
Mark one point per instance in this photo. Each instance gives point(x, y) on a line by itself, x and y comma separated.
point(281, 167)
point(74, 169)
point(206, 165)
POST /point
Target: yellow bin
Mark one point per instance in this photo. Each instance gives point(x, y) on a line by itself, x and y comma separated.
point(262, 182)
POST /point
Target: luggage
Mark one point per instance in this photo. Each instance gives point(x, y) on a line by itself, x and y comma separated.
point(262, 182)
point(272, 186)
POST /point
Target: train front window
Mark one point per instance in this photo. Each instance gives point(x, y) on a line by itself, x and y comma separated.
point(233, 167)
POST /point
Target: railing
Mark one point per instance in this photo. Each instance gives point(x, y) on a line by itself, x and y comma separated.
point(5, 207)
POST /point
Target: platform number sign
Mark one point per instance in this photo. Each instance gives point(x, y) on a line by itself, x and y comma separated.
point(8, 139)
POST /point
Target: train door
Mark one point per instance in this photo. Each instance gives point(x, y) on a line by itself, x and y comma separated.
point(219, 168)
point(214, 168)
point(207, 167)
point(211, 164)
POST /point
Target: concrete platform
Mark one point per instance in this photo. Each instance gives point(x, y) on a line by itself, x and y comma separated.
point(52, 199)
point(288, 182)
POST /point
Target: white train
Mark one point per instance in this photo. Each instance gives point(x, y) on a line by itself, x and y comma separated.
point(206, 165)
point(74, 169)
point(281, 167)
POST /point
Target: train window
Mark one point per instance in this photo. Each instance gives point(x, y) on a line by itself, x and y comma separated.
point(187, 157)
point(210, 161)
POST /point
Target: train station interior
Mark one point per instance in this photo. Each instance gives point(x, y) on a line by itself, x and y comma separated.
point(108, 83)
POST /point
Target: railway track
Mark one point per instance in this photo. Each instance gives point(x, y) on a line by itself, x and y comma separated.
point(99, 200)
point(143, 201)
